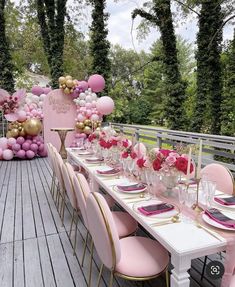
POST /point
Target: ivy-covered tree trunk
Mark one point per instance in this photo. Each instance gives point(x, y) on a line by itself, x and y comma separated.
point(161, 16)
point(99, 45)
point(51, 17)
point(207, 112)
point(6, 66)
point(228, 101)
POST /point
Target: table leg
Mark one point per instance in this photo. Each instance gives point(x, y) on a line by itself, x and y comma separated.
point(62, 151)
point(180, 275)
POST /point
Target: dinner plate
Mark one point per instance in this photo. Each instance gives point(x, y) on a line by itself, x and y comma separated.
point(211, 222)
point(106, 168)
point(129, 192)
point(94, 160)
point(84, 153)
point(225, 206)
point(163, 215)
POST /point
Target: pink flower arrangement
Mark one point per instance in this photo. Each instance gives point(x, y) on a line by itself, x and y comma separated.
point(169, 161)
point(143, 162)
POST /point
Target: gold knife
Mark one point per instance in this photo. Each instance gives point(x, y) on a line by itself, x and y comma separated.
point(209, 231)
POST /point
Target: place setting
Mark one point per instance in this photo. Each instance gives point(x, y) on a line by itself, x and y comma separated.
point(108, 172)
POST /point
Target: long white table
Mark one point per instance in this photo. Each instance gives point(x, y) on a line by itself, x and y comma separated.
point(185, 241)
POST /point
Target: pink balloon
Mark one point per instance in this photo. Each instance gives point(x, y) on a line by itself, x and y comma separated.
point(41, 147)
point(29, 141)
point(25, 146)
point(93, 104)
point(96, 83)
point(21, 154)
point(83, 85)
point(34, 112)
point(16, 147)
point(11, 117)
point(21, 116)
point(34, 147)
point(46, 90)
point(3, 143)
point(20, 140)
point(82, 135)
point(1, 151)
point(94, 117)
point(11, 141)
point(105, 105)
point(37, 90)
point(43, 153)
point(77, 136)
point(7, 154)
point(30, 154)
point(80, 118)
point(88, 105)
point(88, 113)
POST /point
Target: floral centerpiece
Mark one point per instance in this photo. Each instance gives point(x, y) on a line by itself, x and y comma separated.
point(127, 150)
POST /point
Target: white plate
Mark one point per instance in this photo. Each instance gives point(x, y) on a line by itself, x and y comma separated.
point(225, 206)
point(163, 215)
point(93, 160)
point(128, 192)
point(85, 153)
point(106, 168)
point(211, 222)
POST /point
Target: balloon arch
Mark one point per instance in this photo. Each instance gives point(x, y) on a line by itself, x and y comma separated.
point(24, 113)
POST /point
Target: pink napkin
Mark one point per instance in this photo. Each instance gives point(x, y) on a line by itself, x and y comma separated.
point(132, 187)
point(110, 171)
point(226, 201)
point(154, 209)
point(191, 182)
point(94, 159)
point(219, 217)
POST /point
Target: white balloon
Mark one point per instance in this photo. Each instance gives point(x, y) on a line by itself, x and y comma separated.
point(94, 96)
point(82, 96)
point(82, 103)
point(89, 90)
point(42, 97)
point(86, 92)
point(88, 99)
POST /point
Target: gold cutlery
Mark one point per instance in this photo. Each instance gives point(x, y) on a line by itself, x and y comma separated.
point(209, 231)
point(173, 219)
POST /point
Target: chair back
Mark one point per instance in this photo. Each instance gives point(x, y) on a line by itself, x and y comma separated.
point(58, 163)
point(221, 176)
point(103, 230)
point(68, 174)
point(82, 192)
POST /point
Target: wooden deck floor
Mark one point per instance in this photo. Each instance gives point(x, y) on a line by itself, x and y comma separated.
point(35, 250)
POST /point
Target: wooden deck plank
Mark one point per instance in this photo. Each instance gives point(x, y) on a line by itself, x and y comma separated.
point(6, 264)
point(19, 204)
point(33, 273)
point(19, 280)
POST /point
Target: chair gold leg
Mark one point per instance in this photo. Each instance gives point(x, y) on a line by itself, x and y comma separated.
point(111, 279)
point(62, 207)
point(71, 225)
point(75, 239)
point(52, 184)
point(100, 274)
point(84, 249)
point(167, 278)
point(92, 248)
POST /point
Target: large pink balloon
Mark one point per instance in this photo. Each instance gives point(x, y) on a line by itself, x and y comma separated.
point(20, 154)
point(30, 154)
point(7, 154)
point(37, 90)
point(96, 83)
point(22, 116)
point(3, 143)
point(105, 105)
point(46, 90)
point(1, 151)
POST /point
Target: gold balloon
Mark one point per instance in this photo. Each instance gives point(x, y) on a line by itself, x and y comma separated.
point(62, 80)
point(14, 133)
point(32, 127)
point(67, 91)
point(20, 129)
point(22, 133)
point(80, 125)
point(69, 83)
point(8, 135)
point(87, 130)
point(68, 78)
point(87, 122)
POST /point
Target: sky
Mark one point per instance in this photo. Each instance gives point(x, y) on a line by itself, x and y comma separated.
point(120, 23)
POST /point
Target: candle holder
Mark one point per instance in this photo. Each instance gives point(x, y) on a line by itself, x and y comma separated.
point(196, 206)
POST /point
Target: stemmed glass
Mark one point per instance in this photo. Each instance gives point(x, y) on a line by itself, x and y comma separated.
point(131, 166)
point(154, 181)
point(148, 180)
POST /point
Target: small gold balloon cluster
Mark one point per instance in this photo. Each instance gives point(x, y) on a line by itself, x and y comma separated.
point(87, 126)
point(30, 127)
point(67, 84)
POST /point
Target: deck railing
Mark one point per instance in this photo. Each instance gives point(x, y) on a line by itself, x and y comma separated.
point(216, 148)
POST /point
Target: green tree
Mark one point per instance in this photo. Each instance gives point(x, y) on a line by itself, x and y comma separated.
point(99, 45)
point(6, 66)
point(160, 15)
point(207, 112)
point(51, 18)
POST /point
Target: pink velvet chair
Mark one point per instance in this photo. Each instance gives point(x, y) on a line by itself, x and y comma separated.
point(232, 283)
point(68, 174)
point(133, 258)
point(124, 223)
point(221, 176)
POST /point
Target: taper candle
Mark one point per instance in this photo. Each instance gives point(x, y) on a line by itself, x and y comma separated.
point(199, 162)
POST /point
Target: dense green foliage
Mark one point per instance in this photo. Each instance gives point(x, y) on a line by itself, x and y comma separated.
point(6, 67)
point(99, 45)
point(209, 81)
point(51, 17)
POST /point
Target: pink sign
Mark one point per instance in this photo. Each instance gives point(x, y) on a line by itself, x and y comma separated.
point(59, 112)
